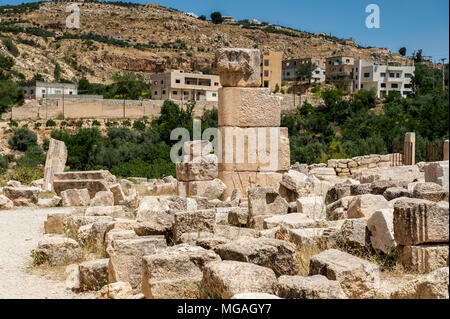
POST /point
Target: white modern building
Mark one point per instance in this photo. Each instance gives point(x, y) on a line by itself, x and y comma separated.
point(384, 78)
point(38, 90)
point(178, 85)
point(290, 68)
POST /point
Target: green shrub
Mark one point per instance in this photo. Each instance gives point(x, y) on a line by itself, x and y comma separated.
point(10, 46)
point(96, 123)
point(3, 164)
point(50, 123)
point(32, 157)
point(139, 125)
point(22, 139)
point(26, 175)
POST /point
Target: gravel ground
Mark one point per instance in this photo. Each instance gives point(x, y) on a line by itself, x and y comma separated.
point(20, 231)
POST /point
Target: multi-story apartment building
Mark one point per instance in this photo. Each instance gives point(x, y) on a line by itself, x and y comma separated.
point(384, 78)
point(290, 68)
point(271, 67)
point(340, 68)
point(38, 89)
point(178, 85)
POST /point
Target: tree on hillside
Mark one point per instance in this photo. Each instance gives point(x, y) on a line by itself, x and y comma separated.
point(305, 71)
point(418, 56)
point(129, 86)
point(202, 17)
point(402, 51)
point(216, 17)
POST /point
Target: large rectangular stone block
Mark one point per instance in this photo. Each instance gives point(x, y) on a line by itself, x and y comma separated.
point(246, 180)
point(255, 149)
point(205, 169)
point(438, 173)
point(418, 221)
point(248, 107)
point(264, 202)
point(424, 258)
point(55, 162)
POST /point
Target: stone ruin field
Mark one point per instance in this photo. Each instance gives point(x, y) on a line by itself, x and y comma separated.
point(356, 228)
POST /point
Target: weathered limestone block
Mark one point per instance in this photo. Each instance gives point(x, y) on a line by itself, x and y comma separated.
point(93, 274)
point(211, 242)
point(313, 287)
point(195, 150)
point(276, 254)
point(93, 235)
point(430, 191)
point(175, 272)
point(125, 258)
point(343, 203)
point(359, 279)
point(295, 220)
point(360, 189)
point(395, 192)
point(102, 175)
point(337, 192)
point(313, 207)
point(113, 211)
point(114, 234)
point(55, 222)
point(430, 286)
point(73, 222)
point(57, 251)
point(248, 107)
point(93, 186)
point(5, 202)
point(254, 149)
point(75, 197)
point(55, 162)
point(423, 258)
point(238, 216)
point(203, 170)
point(323, 173)
point(418, 221)
point(247, 180)
point(232, 232)
point(307, 237)
point(49, 202)
point(366, 205)
point(116, 290)
point(119, 195)
point(192, 222)
point(213, 189)
point(23, 195)
point(264, 202)
point(438, 173)
point(381, 227)
point(294, 185)
point(354, 232)
point(224, 279)
point(239, 67)
point(103, 198)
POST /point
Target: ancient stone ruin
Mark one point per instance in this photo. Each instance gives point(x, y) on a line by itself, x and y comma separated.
point(242, 229)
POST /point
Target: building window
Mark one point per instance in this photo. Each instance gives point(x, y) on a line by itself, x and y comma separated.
point(398, 75)
point(164, 92)
point(394, 85)
point(356, 86)
point(383, 75)
point(162, 81)
point(175, 92)
point(392, 75)
point(177, 81)
point(408, 75)
point(216, 83)
point(366, 75)
point(266, 73)
point(214, 94)
point(347, 61)
point(407, 86)
point(156, 92)
point(383, 85)
point(186, 93)
point(43, 91)
point(266, 62)
point(70, 92)
point(362, 86)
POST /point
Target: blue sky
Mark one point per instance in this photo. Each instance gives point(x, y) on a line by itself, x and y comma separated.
point(413, 24)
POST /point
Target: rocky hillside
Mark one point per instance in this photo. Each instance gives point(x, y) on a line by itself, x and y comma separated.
point(114, 38)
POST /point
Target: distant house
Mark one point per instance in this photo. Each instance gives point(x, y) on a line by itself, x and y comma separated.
point(228, 20)
point(38, 89)
point(271, 70)
point(290, 68)
point(178, 85)
point(255, 22)
point(191, 14)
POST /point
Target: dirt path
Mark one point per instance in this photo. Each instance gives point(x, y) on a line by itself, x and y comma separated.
point(20, 231)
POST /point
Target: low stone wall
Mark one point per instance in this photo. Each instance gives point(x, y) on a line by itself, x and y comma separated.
point(352, 166)
point(94, 108)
